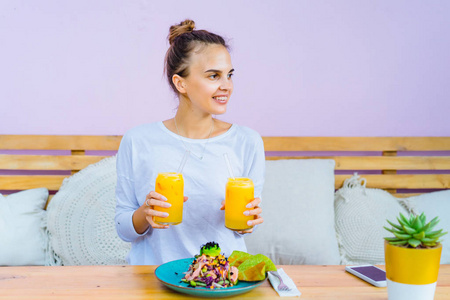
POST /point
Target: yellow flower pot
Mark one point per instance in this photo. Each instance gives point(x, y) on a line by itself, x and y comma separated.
point(411, 273)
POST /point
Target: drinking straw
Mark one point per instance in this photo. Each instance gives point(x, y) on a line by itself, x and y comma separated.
point(183, 161)
point(230, 170)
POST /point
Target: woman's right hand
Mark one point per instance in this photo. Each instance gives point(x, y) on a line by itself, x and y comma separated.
point(151, 200)
point(144, 215)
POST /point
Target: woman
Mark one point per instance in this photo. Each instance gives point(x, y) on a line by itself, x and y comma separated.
point(199, 70)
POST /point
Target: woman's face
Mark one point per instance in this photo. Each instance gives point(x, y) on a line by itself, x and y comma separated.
point(209, 85)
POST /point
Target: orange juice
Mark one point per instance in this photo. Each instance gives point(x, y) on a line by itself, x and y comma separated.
point(239, 192)
point(171, 186)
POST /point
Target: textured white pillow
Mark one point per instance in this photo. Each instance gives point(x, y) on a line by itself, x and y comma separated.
point(23, 240)
point(360, 216)
point(298, 212)
point(436, 204)
point(81, 219)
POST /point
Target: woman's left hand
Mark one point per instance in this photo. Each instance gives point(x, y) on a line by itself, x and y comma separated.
point(255, 210)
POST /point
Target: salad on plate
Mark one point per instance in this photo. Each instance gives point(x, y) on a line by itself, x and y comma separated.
point(211, 269)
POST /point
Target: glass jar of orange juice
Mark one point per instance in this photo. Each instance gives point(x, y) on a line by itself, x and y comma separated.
point(170, 185)
point(239, 192)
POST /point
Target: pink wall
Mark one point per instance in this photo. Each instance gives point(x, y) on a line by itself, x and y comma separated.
point(309, 68)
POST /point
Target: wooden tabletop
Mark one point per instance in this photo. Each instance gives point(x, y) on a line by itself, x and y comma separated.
point(139, 282)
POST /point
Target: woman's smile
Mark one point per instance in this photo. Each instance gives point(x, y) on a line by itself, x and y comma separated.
point(222, 99)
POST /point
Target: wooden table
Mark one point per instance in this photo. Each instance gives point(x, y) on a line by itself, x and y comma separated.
point(139, 282)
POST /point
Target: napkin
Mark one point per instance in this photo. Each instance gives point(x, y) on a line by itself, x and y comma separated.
point(294, 292)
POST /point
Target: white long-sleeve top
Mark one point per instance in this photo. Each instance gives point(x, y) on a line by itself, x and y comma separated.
point(149, 149)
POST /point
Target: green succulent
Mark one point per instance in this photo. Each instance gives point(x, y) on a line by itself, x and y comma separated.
point(414, 232)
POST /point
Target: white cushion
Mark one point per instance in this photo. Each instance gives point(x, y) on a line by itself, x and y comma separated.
point(298, 212)
point(436, 204)
point(81, 218)
point(361, 214)
point(22, 228)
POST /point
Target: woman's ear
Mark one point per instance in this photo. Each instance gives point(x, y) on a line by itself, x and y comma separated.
point(179, 83)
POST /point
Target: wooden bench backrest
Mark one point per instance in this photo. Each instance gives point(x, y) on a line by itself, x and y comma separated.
point(390, 163)
point(393, 162)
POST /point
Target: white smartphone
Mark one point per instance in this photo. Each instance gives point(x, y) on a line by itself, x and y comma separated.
point(369, 273)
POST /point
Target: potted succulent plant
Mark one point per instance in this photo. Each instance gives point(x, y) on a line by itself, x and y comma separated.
point(412, 257)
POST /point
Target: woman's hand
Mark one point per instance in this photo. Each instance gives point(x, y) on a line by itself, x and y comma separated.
point(151, 200)
point(255, 210)
point(144, 215)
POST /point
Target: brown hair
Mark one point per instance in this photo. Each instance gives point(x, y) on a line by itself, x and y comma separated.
point(183, 40)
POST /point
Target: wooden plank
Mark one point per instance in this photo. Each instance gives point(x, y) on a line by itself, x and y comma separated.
point(415, 181)
point(406, 195)
point(59, 142)
point(356, 143)
point(47, 162)
point(73, 162)
point(100, 142)
point(23, 182)
point(381, 162)
point(76, 153)
point(429, 181)
point(316, 282)
point(389, 170)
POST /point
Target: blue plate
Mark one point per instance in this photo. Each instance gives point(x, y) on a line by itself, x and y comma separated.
point(171, 273)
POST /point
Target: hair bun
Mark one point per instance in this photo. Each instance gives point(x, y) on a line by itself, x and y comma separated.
point(177, 30)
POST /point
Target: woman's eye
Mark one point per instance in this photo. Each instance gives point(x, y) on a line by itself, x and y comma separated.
point(230, 75)
point(214, 76)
